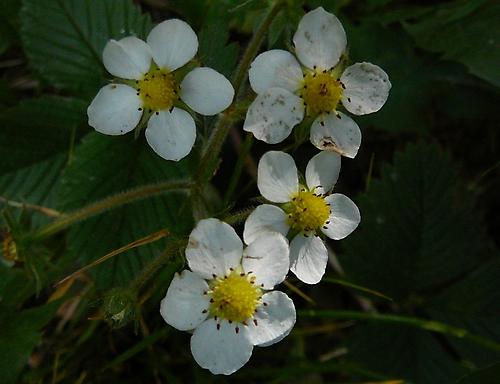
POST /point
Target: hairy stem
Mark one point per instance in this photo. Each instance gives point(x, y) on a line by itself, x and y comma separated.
point(209, 160)
point(108, 203)
point(428, 325)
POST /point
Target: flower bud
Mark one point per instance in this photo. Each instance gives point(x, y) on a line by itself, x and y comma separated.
point(120, 307)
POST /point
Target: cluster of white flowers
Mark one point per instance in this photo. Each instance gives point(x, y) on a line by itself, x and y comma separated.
point(226, 299)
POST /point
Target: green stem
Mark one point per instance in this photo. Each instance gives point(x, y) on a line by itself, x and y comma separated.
point(149, 271)
point(235, 177)
point(428, 325)
point(109, 203)
point(209, 160)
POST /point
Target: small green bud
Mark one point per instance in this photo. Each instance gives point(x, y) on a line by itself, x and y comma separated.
point(120, 307)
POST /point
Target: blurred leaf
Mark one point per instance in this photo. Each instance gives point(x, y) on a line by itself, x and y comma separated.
point(464, 31)
point(488, 375)
point(64, 39)
point(403, 352)
point(472, 303)
point(36, 129)
point(15, 287)
point(104, 166)
point(413, 76)
point(8, 23)
point(19, 334)
point(418, 229)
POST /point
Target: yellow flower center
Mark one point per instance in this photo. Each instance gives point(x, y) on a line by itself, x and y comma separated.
point(307, 211)
point(158, 89)
point(321, 92)
point(234, 297)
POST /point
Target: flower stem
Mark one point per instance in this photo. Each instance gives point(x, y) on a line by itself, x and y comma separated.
point(235, 177)
point(428, 325)
point(106, 204)
point(209, 160)
point(149, 270)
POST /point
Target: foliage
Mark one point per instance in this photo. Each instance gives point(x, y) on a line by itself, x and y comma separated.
point(416, 286)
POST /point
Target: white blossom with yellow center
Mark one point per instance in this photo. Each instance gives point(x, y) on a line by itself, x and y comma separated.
point(226, 298)
point(287, 91)
point(304, 211)
point(149, 82)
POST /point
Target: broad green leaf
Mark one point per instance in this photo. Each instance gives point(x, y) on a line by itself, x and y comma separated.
point(414, 77)
point(464, 31)
point(104, 166)
point(472, 303)
point(418, 229)
point(64, 39)
point(214, 51)
point(19, 334)
point(8, 23)
point(488, 375)
point(36, 129)
point(34, 184)
point(404, 353)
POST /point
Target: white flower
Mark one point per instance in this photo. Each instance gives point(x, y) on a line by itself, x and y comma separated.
point(305, 211)
point(226, 297)
point(286, 91)
point(152, 84)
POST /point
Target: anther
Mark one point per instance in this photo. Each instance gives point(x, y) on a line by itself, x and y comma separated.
point(265, 304)
point(255, 322)
point(204, 311)
point(242, 274)
point(212, 300)
point(237, 330)
point(218, 326)
point(322, 124)
point(349, 99)
point(214, 275)
point(157, 113)
point(139, 109)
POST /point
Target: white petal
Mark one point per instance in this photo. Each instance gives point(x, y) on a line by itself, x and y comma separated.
point(344, 218)
point(222, 351)
point(268, 259)
point(273, 114)
point(323, 171)
point(173, 43)
point(184, 303)
point(171, 134)
point(367, 88)
point(274, 320)
point(308, 258)
point(265, 218)
point(275, 69)
point(213, 248)
point(342, 136)
point(206, 91)
point(320, 39)
point(277, 177)
point(128, 58)
point(115, 110)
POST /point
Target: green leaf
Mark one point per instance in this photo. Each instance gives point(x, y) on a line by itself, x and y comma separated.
point(488, 375)
point(464, 31)
point(64, 39)
point(413, 76)
point(19, 334)
point(8, 23)
point(104, 166)
point(214, 51)
point(418, 229)
point(35, 184)
point(472, 303)
point(404, 353)
point(36, 129)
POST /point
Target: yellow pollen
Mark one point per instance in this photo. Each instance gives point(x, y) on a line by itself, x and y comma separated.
point(158, 89)
point(234, 297)
point(307, 211)
point(321, 92)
